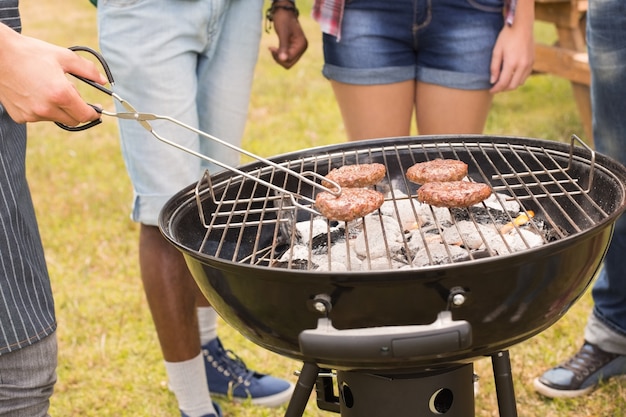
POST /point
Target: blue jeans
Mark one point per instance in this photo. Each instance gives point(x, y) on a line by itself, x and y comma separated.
point(192, 60)
point(442, 42)
point(606, 37)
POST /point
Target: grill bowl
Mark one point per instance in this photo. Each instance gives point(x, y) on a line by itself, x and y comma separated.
point(508, 298)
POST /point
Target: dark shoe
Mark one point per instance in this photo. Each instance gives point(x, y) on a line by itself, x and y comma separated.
point(218, 410)
point(228, 375)
point(580, 374)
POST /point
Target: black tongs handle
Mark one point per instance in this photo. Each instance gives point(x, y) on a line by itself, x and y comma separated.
point(109, 75)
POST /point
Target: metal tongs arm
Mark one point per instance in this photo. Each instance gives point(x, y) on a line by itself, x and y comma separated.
point(144, 118)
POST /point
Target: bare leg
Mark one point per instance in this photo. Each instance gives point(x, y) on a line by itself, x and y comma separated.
point(172, 295)
point(442, 110)
point(375, 111)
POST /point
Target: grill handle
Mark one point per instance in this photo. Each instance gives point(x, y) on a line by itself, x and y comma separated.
point(442, 336)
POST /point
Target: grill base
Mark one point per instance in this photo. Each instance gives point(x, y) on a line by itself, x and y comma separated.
point(447, 391)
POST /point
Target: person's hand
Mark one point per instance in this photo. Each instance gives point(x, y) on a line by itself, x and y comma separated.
point(33, 82)
point(514, 53)
point(292, 42)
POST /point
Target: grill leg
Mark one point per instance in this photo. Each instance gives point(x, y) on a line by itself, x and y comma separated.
point(302, 391)
point(504, 384)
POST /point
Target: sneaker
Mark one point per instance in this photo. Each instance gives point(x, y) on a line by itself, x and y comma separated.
point(218, 410)
point(580, 374)
point(228, 375)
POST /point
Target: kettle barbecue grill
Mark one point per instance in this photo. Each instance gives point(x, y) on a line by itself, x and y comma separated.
point(402, 342)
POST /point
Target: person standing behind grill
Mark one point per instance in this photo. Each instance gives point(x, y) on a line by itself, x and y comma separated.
point(442, 60)
point(33, 87)
point(603, 352)
point(193, 61)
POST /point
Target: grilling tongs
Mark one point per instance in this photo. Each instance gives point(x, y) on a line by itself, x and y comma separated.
point(143, 119)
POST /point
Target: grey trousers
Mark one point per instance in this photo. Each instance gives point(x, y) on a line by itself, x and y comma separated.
point(27, 378)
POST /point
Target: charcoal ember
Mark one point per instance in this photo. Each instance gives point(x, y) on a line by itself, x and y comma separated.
point(517, 240)
point(482, 215)
point(306, 229)
point(320, 243)
point(340, 258)
point(332, 266)
point(402, 208)
point(297, 264)
point(381, 237)
point(381, 264)
point(502, 202)
point(466, 234)
point(439, 254)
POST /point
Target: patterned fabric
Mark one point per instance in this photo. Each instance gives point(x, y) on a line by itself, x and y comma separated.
point(26, 304)
point(9, 14)
point(329, 14)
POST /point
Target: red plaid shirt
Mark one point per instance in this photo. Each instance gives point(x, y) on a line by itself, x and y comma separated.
point(329, 14)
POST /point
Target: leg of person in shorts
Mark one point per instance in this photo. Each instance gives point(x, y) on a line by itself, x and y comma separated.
point(428, 57)
point(193, 61)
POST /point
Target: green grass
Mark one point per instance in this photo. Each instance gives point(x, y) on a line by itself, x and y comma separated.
point(110, 362)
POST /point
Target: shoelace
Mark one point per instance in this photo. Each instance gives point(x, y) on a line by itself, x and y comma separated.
point(234, 364)
point(587, 360)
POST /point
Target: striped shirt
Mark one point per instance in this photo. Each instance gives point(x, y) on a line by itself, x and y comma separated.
point(26, 304)
point(329, 15)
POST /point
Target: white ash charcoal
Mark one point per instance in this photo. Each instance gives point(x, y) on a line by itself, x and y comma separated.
point(436, 215)
point(339, 253)
point(465, 233)
point(373, 243)
point(381, 264)
point(334, 266)
point(439, 254)
point(295, 252)
point(309, 229)
point(516, 243)
point(502, 202)
point(404, 209)
point(417, 239)
point(512, 242)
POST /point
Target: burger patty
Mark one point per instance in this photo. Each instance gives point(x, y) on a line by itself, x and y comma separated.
point(453, 193)
point(353, 176)
point(351, 204)
point(437, 170)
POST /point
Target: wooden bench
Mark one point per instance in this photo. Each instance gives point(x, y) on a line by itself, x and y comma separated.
point(568, 58)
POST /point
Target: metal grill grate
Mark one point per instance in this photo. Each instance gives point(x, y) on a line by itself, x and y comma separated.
point(248, 222)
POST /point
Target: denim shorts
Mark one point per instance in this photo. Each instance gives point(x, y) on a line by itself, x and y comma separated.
point(442, 42)
point(193, 61)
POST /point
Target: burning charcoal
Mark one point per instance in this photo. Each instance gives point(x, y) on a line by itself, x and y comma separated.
point(502, 202)
point(344, 253)
point(482, 215)
point(334, 266)
point(437, 254)
point(513, 242)
point(372, 243)
point(404, 210)
point(298, 264)
point(433, 214)
point(295, 252)
point(381, 264)
point(307, 229)
point(319, 244)
point(465, 234)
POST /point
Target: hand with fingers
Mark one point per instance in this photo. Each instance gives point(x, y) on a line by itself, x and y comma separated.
point(33, 82)
point(292, 42)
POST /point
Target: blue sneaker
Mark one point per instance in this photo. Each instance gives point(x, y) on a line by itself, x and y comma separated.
point(228, 375)
point(218, 410)
point(580, 374)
